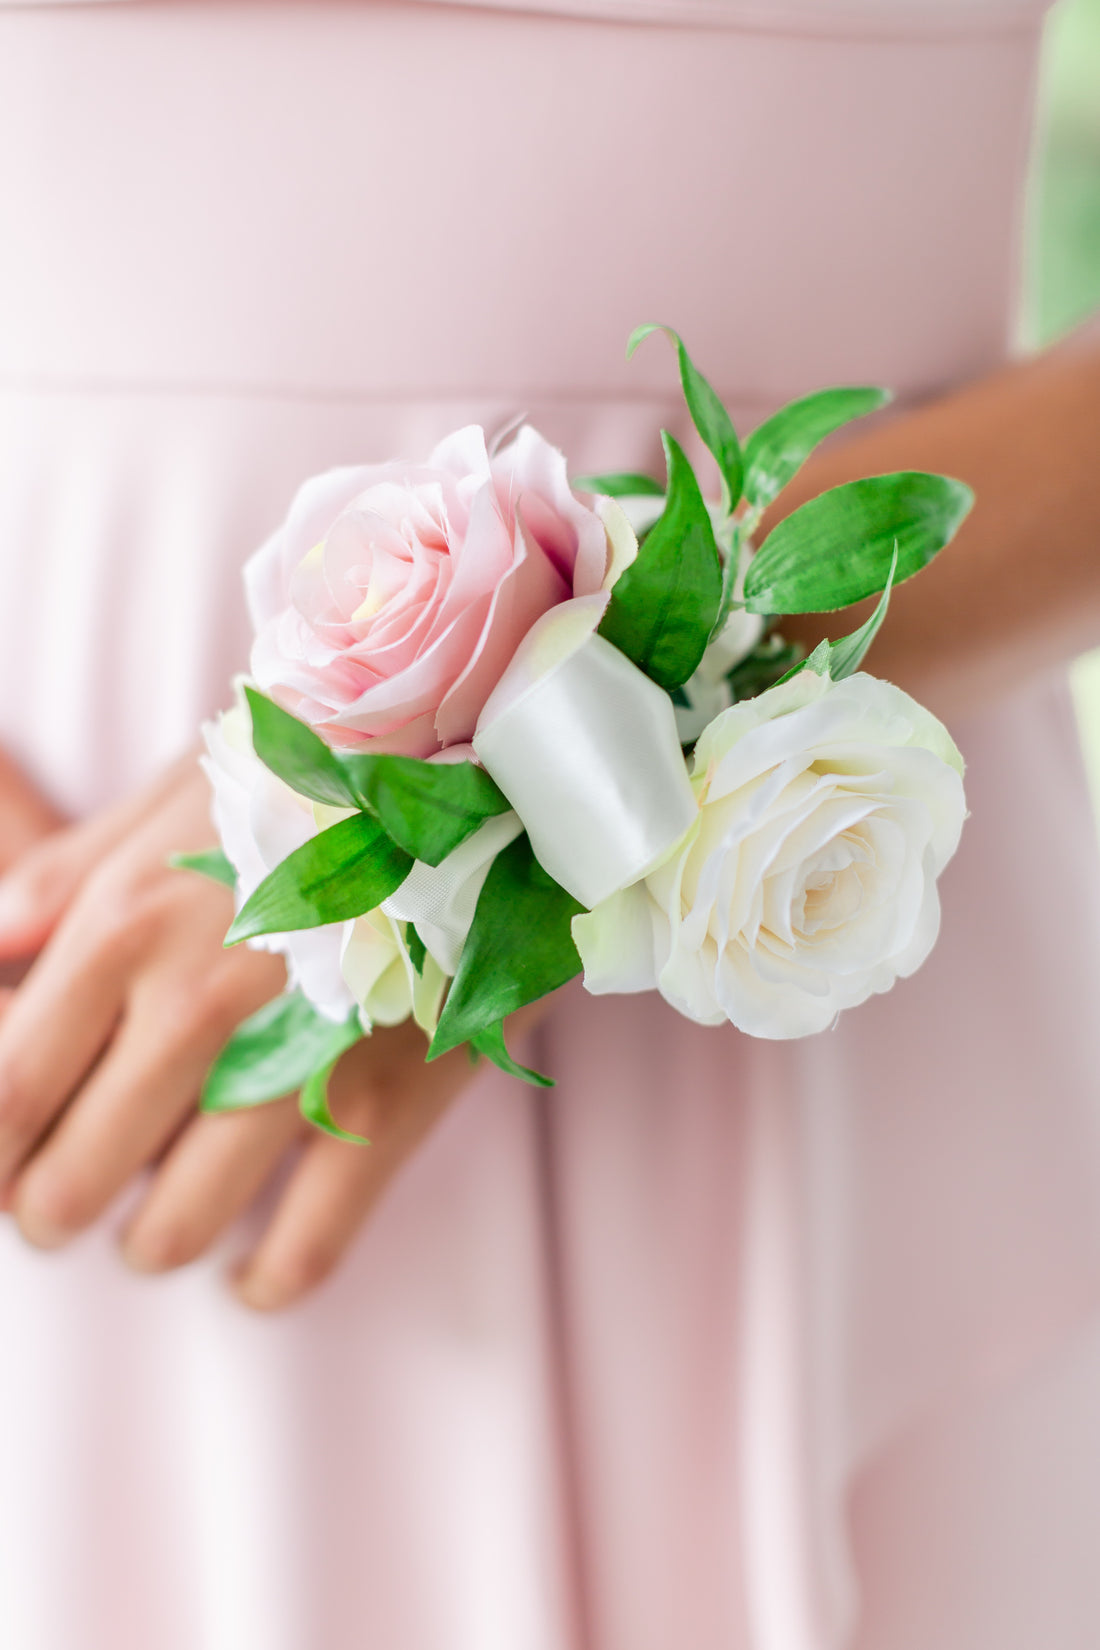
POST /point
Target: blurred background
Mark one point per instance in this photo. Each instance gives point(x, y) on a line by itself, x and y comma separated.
point(1064, 271)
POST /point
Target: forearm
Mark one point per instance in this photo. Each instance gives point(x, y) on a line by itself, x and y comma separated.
point(1019, 589)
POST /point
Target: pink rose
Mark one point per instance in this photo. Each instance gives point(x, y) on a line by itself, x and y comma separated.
point(390, 602)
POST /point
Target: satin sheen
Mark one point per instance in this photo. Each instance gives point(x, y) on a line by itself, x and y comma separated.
point(607, 793)
point(725, 1345)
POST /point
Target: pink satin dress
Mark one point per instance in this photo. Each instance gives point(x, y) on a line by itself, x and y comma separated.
point(720, 1344)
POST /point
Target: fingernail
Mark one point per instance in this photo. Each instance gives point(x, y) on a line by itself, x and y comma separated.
point(258, 1291)
point(40, 1232)
point(139, 1258)
point(152, 1249)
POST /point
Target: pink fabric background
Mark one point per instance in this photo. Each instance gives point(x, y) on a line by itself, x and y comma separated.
point(736, 1346)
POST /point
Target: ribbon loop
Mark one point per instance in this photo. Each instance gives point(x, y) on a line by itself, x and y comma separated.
point(585, 748)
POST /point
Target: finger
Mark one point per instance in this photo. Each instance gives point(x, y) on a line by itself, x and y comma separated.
point(326, 1200)
point(129, 1107)
point(54, 1030)
point(41, 881)
point(7, 1187)
point(13, 973)
point(210, 1176)
point(38, 887)
point(394, 1102)
point(135, 1099)
point(25, 814)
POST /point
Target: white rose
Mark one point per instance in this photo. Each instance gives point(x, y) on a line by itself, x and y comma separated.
point(364, 962)
point(808, 880)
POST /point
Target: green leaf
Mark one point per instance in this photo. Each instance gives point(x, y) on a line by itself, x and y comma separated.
point(313, 1100)
point(663, 607)
point(519, 948)
point(295, 754)
point(343, 872)
point(427, 808)
point(837, 549)
point(708, 414)
point(211, 862)
point(273, 1053)
point(287, 1045)
point(619, 484)
point(846, 655)
point(817, 661)
point(776, 451)
point(418, 951)
point(731, 566)
point(490, 1042)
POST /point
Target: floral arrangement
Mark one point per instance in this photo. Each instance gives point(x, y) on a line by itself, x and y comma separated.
point(502, 728)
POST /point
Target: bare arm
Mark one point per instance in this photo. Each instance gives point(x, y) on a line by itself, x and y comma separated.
point(1018, 592)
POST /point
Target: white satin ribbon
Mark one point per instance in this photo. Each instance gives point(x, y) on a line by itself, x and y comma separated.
point(584, 746)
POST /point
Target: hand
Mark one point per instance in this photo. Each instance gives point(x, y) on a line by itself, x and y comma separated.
point(104, 1048)
point(381, 1089)
point(25, 814)
point(48, 864)
point(25, 819)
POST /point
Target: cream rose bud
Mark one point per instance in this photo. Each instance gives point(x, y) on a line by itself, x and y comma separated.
point(807, 882)
point(379, 970)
